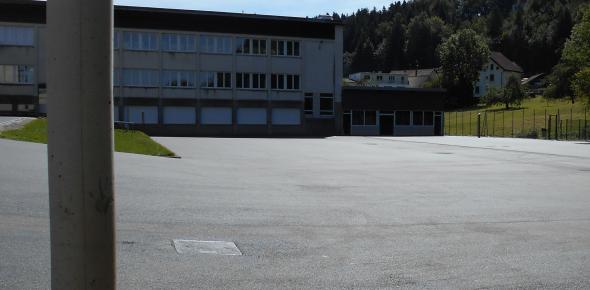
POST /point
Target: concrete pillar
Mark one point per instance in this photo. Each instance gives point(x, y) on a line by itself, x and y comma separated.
point(80, 149)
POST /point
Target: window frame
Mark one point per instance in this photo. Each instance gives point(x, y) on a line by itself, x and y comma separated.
point(22, 74)
point(140, 74)
point(131, 37)
point(213, 81)
point(215, 44)
point(246, 81)
point(285, 48)
point(260, 49)
point(327, 112)
point(8, 31)
point(280, 82)
point(189, 41)
point(179, 78)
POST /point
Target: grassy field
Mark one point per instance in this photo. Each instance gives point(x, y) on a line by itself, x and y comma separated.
point(528, 120)
point(125, 140)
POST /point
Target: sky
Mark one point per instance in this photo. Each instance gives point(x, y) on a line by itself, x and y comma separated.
point(300, 8)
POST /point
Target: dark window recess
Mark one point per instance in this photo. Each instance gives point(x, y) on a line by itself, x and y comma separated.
point(281, 82)
point(402, 118)
point(358, 118)
point(263, 81)
point(289, 82)
point(296, 82)
point(370, 118)
point(492, 77)
point(428, 118)
point(238, 80)
point(246, 81)
point(273, 82)
point(418, 119)
point(227, 80)
point(296, 53)
point(326, 104)
point(308, 104)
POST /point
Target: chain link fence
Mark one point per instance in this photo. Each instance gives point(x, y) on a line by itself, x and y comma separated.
point(519, 123)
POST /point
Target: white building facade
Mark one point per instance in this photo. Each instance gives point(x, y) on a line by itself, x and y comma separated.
point(179, 72)
point(495, 74)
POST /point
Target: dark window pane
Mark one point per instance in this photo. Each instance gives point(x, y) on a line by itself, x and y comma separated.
point(281, 82)
point(227, 80)
point(263, 81)
point(273, 81)
point(273, 47)
point(255, 81)
point(428, 118)
point(296, 48)
point(418, 118)
point(290, 47)
point(296, 82)
point(370, 118)
point(281, 48)
point(247, 81)
point(402, 118)
point(326, 106)
point(246, 46)
point(238, 80)
point(220, 80)
point(255, 46)
point(289, 82)
point(358, 118)
point(308, 105)
point(263, 46)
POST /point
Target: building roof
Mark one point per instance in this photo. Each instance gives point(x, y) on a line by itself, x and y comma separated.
point(505, 63)
point(371, 98)
point(29, 11)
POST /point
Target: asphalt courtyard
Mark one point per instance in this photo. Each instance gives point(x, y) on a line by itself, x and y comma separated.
point(335, 213)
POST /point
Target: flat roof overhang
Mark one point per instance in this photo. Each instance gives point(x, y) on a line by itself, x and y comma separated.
point(388, 99)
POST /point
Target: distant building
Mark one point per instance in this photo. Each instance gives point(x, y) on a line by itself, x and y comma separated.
point(381, 79)
point(417, 78)
point(496, 74)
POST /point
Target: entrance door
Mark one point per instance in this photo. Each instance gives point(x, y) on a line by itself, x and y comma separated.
point(346, 124)
point(438, 124)
point(386, 125)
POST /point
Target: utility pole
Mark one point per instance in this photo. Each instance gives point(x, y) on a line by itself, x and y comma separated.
point(80, 145)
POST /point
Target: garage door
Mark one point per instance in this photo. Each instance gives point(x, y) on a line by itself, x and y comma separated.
point(286, 116)
point(179, 115)
point(252, 116)
point(216, 116)
point(142, 115)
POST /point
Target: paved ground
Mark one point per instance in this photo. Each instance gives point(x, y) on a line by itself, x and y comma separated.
point(455, 213)
point(9, 123)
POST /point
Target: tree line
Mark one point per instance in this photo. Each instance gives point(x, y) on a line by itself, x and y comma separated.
point(411, 34)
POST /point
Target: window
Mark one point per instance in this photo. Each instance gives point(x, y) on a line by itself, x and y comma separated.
point(308, 103)
point(491, 66)
point(364, 118)
point(216, 116)
point(285, 47)
point(140, 78)
point(370, 118)
point(286, 116)
point(367, 77)
point(379, 78)
point(216, 80)
point(251, 46)
point(418, 119)
point(251, 116)
point(250, 81)
point(178, 79)
point(284, 82)
point(477, 90)
point(140, 40)
point(326, 104)
point(116, 77)
point(492, 77)
point(392, 78)
point(16, 35)
point(428, 118)
point(178, 42)
point(403, 80)
point(16, 74)
point(402, 118)
point(116, 39)
point(216, 44)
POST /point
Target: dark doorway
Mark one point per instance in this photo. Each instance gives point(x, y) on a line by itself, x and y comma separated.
point(386, 125)
point(346, 124)
point(438, 125)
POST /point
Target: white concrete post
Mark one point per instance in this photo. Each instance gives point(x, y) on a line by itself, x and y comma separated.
point(80, 149)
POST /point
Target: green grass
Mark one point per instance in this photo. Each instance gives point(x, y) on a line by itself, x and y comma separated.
point(501, 122)
point(128, 141)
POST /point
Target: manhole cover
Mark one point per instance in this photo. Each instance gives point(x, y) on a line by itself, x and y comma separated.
point(193, 247)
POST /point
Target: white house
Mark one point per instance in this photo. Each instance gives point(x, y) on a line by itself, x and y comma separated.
point(496, 74)
point(381, 79)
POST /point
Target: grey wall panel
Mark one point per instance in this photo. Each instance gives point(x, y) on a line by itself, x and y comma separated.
point(178, 61)
point(216, 94)
point(251, 95)
point(216, 62)
point(319, 66)
point(178, 93)
point(18, 55)
point(251, 63)
point(286, 96)
point(140, 92)
point(414, 131)
point(141, 59)
point(289, 65)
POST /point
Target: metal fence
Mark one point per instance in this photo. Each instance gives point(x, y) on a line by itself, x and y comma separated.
point(520, 123)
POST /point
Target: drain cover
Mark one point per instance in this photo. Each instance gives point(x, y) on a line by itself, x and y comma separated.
point(193, 247)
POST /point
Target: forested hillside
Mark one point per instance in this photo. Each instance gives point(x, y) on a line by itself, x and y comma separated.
point(407, 34)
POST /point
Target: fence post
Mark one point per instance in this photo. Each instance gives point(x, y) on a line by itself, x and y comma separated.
point(470, 131)
point(494, 128)
point(534, 121)
point(512, 123)
point(503, 119)
point(522, 126)
point(567, 127)
point(558, 125)
point(579, 129)
point(478, 125)
point(548, 124)
point(456, 124)
point(462, 123)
